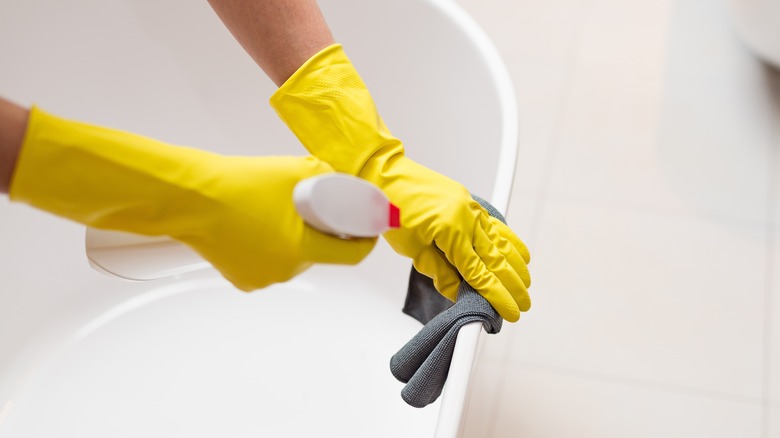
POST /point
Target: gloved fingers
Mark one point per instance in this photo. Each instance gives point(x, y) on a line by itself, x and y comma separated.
point(323, 248)
point(509, 268)
point(517, 257)
point(477, 274)
point(514, 261)
point(504, 231)
point(432, 263)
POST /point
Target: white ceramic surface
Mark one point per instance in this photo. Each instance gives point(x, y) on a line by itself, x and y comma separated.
point(85, 355)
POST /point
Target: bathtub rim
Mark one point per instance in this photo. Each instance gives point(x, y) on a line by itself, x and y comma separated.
point(455, 395)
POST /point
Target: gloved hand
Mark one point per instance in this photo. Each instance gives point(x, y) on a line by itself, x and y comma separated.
point(446, 233)
point(236, 212)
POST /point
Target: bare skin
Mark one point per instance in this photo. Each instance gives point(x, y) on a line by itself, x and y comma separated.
point(13, 123)
point(280, 35)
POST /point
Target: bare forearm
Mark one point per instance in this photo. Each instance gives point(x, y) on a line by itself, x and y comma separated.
point(13, 122)
point(280, 35)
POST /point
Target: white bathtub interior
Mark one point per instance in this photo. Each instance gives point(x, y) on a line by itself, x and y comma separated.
point(85, 355)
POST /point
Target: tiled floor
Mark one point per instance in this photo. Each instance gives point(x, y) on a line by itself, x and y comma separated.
point(648, 190)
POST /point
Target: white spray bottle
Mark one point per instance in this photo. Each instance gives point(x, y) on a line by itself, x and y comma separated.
point(334, 203)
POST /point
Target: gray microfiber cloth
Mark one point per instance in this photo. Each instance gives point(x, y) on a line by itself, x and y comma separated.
point(423, 363)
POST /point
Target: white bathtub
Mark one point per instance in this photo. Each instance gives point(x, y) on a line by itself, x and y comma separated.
point(84, 355)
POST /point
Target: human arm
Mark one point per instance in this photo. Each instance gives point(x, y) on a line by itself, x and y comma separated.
point(280, 35)
point(447, 234)
point(325, 103)
point(13, 120)
point(236, 212)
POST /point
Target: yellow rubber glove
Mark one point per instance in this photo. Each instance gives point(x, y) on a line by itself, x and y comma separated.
point(236, 212)
point(446, 233)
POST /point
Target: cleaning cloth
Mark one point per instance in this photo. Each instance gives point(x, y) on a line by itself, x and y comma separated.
point(423, 363)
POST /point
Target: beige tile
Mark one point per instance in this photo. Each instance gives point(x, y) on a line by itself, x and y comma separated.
point(621, 49)
point(773, 323)
point(540, 403)
point(497, 348)
point(610, 115)
point(641, 128)
point(704, 41)
point(521, 215)
point(666, 299)
point(539, 90)
point(655, 120)
point(526, 29)
point(773, 423)
point(703, 149)
point(482, 403)
point(536, 41)
point(714, 149)
point(645, 16)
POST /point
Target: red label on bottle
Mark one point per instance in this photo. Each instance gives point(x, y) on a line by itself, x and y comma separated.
point(395, 217)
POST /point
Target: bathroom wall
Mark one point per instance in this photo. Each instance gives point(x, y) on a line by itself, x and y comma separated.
point(648, 190)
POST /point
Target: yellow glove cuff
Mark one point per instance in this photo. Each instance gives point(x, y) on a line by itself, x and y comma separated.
point(329, 108)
